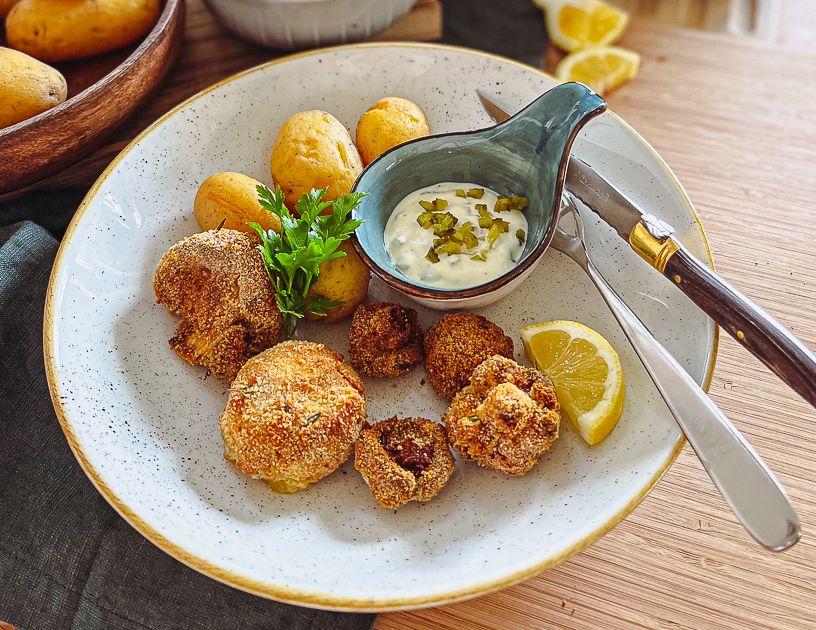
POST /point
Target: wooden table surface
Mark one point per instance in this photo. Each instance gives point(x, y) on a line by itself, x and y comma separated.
point(736, 121)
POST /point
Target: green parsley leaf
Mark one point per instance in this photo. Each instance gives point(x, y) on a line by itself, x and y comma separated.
point(292, 258)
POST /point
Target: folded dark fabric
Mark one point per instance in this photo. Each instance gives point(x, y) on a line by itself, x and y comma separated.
point(67, 559)
point(511, 28)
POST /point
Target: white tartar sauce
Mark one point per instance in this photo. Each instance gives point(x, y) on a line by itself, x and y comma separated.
point(428, 254)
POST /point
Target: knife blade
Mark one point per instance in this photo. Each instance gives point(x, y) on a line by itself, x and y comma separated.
point(654, 240)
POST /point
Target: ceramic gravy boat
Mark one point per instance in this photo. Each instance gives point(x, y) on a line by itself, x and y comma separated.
point(525, 155)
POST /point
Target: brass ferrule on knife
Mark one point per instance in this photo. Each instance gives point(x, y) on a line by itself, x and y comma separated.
point(655, 251)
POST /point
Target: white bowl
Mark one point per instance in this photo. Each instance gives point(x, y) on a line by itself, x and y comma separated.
point(297, 24)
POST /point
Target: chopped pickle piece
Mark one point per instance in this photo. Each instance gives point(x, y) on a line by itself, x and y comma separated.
point(451, 247)
point(482, 255)
point(425, 219)
point(476, 193)
point(520, 236)
point(503, 204)
point(460, 193)
point(441, 222)
point(499, 227)
point(437, 205)
point(432, 256)
point(485, 220)
point(466, 236)
point(518, 203)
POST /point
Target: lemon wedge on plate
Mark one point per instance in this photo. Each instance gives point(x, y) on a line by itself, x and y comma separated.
point(585, 371)
point(577, 24)
point(601, 68)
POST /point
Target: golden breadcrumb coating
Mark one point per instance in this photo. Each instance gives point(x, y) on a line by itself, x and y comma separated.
point(404, 460)
point(385, 339)
point(506, 418)
point(455, 345)
point(217, 283)
point(293, 414)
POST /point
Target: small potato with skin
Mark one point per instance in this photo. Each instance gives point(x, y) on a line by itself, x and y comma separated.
point(314, 150)
point(387, 123)
point(343, 279)
point(27, 87)
point(232, 198)
point(65, 30)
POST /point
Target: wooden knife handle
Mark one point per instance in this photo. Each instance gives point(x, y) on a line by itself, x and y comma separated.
point(746, 322)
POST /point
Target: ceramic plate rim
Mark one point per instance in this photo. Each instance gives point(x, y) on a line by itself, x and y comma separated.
point(271, 590)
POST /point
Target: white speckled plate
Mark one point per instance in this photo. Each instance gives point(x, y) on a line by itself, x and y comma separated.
point(143, 424)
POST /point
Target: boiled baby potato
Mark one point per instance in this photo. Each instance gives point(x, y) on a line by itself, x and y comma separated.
point(5, 7)
point(27, 87)
point(314, 150)
point(387, 123)
point(343, 279)
point(233, 199)
point(63, 30)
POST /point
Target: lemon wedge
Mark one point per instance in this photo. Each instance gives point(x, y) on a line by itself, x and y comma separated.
point(601, 69)
point(577, 24)
point(585, 371)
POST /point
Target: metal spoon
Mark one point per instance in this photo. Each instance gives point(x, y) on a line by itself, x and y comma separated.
point(750, 489)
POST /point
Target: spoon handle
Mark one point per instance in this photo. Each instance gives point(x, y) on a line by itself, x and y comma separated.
point(746, 484)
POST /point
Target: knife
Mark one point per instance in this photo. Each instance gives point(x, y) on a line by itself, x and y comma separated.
point(654, 240)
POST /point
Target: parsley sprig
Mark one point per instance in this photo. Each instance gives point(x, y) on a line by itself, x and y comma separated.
point(292, 258)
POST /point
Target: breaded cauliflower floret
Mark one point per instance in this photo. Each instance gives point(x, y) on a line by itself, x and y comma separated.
point(293, 415)
point(404, 460)
point(385, 339)
point(506, 418)
point(455, 345)
point(217, 283)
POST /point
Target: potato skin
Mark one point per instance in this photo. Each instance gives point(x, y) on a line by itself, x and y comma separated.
point(64, 30)
point(27, 87)
point(232, 198)
point(343, 279)
point(387, 123)
point(314, 150)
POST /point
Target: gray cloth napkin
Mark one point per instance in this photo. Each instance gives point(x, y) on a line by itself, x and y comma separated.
point(67, 559)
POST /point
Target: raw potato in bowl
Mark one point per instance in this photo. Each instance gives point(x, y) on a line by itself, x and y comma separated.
point(314, 150)
point(64, 30)
point(27, 87)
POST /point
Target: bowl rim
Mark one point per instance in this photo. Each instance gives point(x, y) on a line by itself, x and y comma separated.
point(165, 18)
point(417, 290)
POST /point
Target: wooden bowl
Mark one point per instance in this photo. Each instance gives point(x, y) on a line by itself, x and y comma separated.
point(102, 92)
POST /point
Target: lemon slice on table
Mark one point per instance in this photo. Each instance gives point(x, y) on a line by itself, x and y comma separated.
point(577, 24)
point(585, 371)
point(601, 69)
